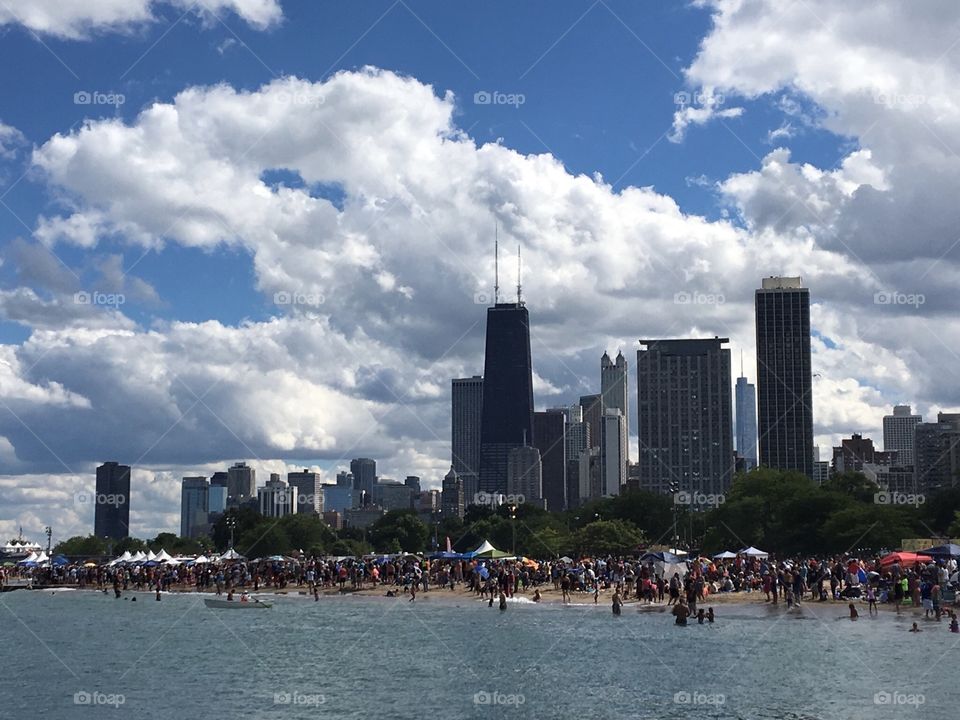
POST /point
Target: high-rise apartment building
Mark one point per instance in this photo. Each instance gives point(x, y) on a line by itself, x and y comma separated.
point(111, 515)
point(466, 421)
point(898, 432)
point(549, 437)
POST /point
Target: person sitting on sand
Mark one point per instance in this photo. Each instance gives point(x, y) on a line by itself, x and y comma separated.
point(914, 628)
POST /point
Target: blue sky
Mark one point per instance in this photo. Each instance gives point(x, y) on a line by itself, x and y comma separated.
point(337, 153)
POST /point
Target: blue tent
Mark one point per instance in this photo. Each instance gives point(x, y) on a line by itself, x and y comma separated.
point(948, 550)
point(60, 560)
point(663, 556)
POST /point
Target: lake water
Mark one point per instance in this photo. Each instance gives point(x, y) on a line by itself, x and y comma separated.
point(76, 655)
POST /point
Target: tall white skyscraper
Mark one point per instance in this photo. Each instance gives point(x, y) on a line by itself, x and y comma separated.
point(613, 452)
point(613, 390)
point(898, 433)
point(746, 400)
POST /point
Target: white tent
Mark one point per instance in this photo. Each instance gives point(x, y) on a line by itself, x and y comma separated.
point(42, 558)
point(174, 561)
point(486, 547)
point(202, 560)
point(725, 555)
point(163, 556)
point(753, 552)
point(232, 554)
point(151, 555)
point(141, 556)
point(32, 557)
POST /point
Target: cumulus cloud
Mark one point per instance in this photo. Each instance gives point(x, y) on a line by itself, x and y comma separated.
point(79, 19)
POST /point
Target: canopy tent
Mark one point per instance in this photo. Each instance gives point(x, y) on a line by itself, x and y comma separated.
point(126, 557)
point(948, 550)
point(753, 552)
point(201, 560)
point(725, 555)
point(486, 550)
point(665, 564)
point(661, 556)
point(904, 558)
point(231, 554)
point(60, 560)
point(141, 556)
point(151, 555)
point(566, 559)
point(447, 555)
point(42, 558)
point(163, 556)
point(31, 558)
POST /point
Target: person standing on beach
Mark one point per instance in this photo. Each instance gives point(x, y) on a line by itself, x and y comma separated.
point(871, 600)
point(565, 588)
point(674, 590)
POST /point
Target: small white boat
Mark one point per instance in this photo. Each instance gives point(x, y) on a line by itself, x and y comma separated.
point(236, 604)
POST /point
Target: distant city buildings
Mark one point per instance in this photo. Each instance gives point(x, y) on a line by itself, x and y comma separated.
point(194, 506)
point(898, 430)
point(614, 386)
point(507, 420)
point(855, 452)
point(364, 471)
point(577, 442)
point(309, 490)
point(111, 515)
point(684, 415)
point(465, 432)
point(784, 376)
point(277, 499)
point(241, 484)
point(613, 452)
point(936, 453)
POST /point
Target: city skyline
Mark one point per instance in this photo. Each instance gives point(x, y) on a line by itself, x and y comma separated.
point(278, 250)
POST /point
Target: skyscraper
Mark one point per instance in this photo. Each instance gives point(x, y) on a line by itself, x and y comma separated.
point(549, 437)
point(451, 495)
point(241, 483)
point(111, 515)
point(466, 419)
point(577, 441)
point(309, 491)
point(592, 411)
point(277, 499)
point(194, 506)
point(613, 390)
point(364, 471)
point(525, 474)
point(684, 415)
point(746, 398)
point(784, 379)
point(613, 452)
point(898, 430)
point(507, 420)
point(936, 453)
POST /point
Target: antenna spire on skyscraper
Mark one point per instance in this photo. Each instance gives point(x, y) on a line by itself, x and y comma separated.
point(496, 262)
point(519, 293)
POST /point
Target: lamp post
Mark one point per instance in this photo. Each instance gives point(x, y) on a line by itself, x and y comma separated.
point(674, 488)
point(513, 525)
point(49, 532)
point(231, 523)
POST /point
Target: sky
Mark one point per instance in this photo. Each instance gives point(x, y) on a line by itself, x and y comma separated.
point(262, 230)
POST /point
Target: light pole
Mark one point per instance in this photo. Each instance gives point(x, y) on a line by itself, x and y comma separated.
point(49, 532)
point(231, 523)
point(674, 488)
point(513, 525)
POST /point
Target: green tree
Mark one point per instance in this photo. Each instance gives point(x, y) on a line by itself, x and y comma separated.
point(80, 546)
point(399, 527)
point(134, 545)
point(604, 537)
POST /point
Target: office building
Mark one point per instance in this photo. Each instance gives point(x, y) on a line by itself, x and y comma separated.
point(614, 391)
point(241, 484)
point(525, 475)
point(194, 506)
point(507, 418)
point(784, 376)
point(451, 497)
point(309, 490)
point(220, 478)
point(111, 515)
point(577, 440)
point(592, 410)
point(277, 499)
point(466, 422)
point(684, 415)
point(746, 418)
point(936, 453)
point(613, 452)
point(898, 432)
point(393, 495)
point(549, 437)
point(588, 476)
point(364, 471)
point(413, 482)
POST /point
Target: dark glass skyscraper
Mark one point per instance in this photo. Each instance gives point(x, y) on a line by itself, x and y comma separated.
point(549, 437)
point(111, 515)
point(364, 471)
point(784, 378)
point(466, 418)
point(507, 392)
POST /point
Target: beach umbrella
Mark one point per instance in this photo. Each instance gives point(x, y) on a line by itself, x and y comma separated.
point(904, 558)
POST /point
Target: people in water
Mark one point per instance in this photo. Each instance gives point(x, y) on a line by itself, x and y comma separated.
point(701, 616)
point(681, 612)
point(872, 600)
point(710, 614)
point(536, 595)
point(503, 601)
point(853, 612)
point(617, 603)
point(915, 628)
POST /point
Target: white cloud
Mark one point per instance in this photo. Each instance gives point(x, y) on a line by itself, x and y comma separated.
point(79, 19)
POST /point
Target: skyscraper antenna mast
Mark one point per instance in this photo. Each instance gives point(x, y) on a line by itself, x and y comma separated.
point(519, 294)
point(741, 362)
point(496, 263)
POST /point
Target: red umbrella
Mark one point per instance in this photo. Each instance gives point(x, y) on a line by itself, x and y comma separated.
point(904, 558)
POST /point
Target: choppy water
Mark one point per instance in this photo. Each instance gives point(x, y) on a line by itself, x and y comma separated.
point(77, 655)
